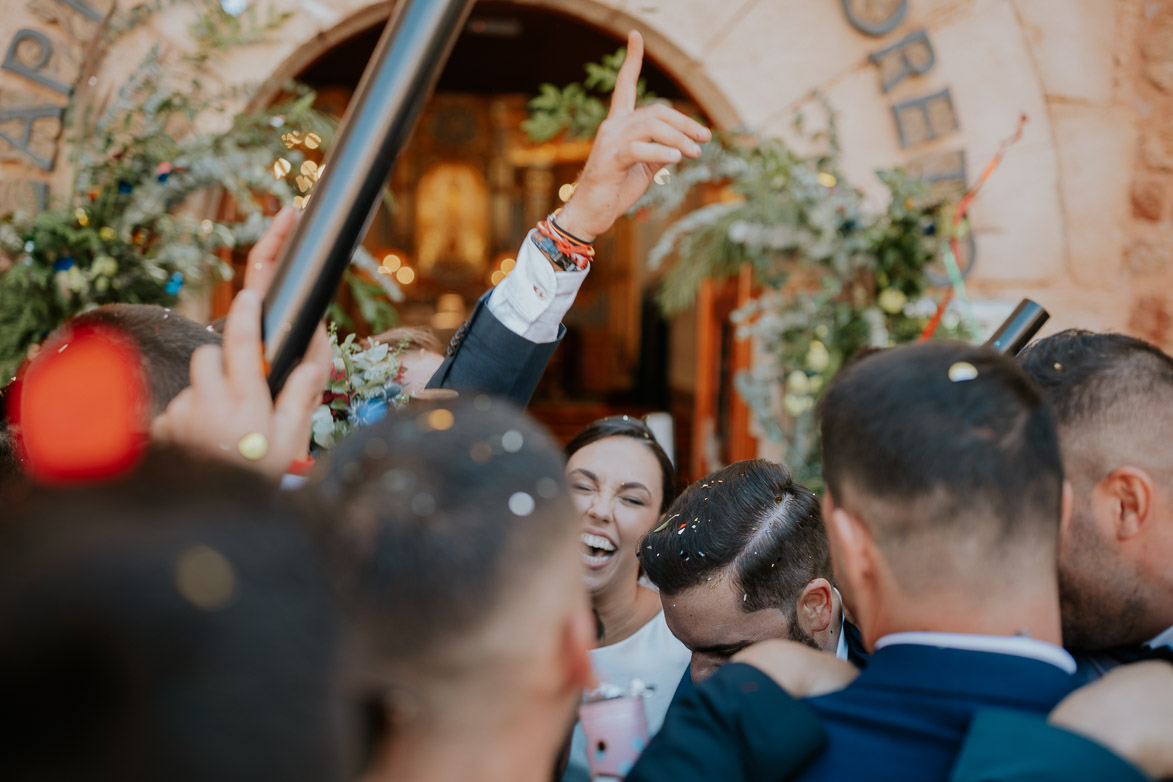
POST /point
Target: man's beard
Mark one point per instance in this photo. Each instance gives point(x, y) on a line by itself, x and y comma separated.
point(796, 633)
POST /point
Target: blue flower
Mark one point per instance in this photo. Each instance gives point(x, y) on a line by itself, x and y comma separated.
point(368, 411)
point(174, 284)
point(124, 187)
point(64, 264)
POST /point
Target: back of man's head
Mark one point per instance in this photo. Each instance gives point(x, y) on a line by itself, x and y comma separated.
point(165, 339)
point(1112, 399)
point(948, 457)
point(1111, 396)
point(750, 520)
point(175, 624)
point(456, 524)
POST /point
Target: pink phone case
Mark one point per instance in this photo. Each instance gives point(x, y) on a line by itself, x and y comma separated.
point(617, 732)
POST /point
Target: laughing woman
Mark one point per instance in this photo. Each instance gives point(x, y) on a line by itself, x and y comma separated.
point(622, 482)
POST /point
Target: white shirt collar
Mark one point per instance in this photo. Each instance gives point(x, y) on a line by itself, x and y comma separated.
point(1164, 639)
point(841, 647)
point(1017, 645)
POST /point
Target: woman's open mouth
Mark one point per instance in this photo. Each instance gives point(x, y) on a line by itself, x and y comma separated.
point(597, 550)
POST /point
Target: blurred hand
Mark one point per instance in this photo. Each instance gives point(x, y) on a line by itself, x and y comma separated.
point(262, 258)
point(229, 397)
point(800, 670)
point(1129, 711)
point(631, 146)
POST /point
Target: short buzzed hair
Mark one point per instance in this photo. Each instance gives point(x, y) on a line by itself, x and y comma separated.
point(445, 512)
point(749, 520)
point(1095, 381)
point(944, 448)
point(165, 340)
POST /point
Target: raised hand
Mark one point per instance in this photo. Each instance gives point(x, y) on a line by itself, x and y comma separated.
point(227, 411)
point(631, 146)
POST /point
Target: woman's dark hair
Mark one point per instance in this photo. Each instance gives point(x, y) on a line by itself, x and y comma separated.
point(626, 426)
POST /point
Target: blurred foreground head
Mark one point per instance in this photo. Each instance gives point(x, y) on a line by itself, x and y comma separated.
point(174, 624)
point(1112, 399)
point(944, 492)
point(456, 525)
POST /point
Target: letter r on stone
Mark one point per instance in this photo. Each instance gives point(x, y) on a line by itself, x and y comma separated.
point(911, 56)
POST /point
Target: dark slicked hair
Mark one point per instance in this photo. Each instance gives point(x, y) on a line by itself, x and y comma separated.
point(942, 443)
point(175, 624)
point(164, 338)
point(626, 426)
point(750, 520)
point(1083, 374)
point(442, 512)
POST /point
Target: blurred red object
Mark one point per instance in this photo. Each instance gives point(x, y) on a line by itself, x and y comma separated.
point(82, 407)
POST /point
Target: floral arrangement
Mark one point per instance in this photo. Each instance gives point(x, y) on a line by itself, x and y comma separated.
point(365, 385)
point(125, 232)
point(831, 278)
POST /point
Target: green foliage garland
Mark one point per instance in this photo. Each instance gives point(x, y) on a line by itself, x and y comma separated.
point(123, 233)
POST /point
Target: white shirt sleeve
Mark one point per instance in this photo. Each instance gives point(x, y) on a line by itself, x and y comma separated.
point(534, 298)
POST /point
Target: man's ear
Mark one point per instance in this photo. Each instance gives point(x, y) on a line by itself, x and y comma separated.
point(578, 638)
point(814, 612)
point(1127, 494)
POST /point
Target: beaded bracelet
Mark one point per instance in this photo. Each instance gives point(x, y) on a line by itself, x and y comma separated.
point(571, 248)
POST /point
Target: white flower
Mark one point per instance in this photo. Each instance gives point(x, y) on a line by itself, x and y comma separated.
point(891, 300)
point(817, 357)
point(797, 382)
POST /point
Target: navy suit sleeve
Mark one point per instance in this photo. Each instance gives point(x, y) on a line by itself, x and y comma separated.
point(1009, 746)
point(486, 356)
point(737, 725)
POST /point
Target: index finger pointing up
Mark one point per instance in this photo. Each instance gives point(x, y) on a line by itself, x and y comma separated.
point(623, 98)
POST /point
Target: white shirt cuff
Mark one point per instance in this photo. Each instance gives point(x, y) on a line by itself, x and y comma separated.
point(534, 298)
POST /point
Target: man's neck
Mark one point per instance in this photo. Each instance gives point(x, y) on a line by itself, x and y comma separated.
point(507, 755)
point(1030, 612)
point(624, 609)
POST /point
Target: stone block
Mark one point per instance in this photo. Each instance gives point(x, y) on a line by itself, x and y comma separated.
point(1147, 257)
point(1151, 319)
point(1073, 45)
point(1148, 198)
point(1096, 152)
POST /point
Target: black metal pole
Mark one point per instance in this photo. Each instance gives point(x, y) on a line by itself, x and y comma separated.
point(1018, 329)
point(397, 82)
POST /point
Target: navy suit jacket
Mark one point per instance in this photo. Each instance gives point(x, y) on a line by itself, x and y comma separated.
point(905, 717)
point(1005, 746)
point(486, 356)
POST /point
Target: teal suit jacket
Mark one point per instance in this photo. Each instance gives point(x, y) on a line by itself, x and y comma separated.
point(1007, 746)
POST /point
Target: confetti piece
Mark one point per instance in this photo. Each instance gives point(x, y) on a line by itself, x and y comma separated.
point(826, 179)
point(441, 419)
point(662, 176)
point(521, 504)
point(962, 371)
point(205, 578)
point(512, 441)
